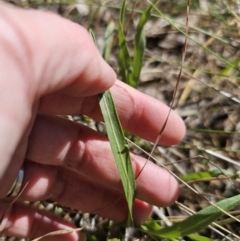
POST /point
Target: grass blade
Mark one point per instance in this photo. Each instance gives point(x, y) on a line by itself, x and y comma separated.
point(206, 175)
point(108, 40)
point(119, 145)
point(139, 45)
point(197, 221)
point(125, 63)
point(199, 237)
point(120, 149)
point(174, 24)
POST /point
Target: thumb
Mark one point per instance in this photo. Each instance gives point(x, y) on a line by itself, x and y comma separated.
point(55, 53)
point(41, 53)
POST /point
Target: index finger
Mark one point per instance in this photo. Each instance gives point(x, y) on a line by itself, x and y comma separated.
point(139, 113)
point(144, 116)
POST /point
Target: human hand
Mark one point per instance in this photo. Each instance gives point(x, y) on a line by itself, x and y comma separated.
point(50, 67)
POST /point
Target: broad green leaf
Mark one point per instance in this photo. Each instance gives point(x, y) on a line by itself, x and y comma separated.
point(205, 175)
point(139, 45)
point(108, 40)
point(196, 222)
point(120, 149)
point(125, 63)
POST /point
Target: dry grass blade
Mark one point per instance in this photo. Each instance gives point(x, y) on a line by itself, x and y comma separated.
point(196, 74)
point(58, 232)
point(12, 202)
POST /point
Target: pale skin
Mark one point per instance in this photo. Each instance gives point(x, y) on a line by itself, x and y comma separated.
point(49, 67)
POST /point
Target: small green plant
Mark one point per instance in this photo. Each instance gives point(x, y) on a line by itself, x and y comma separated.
point(130, 71)
point(130, 67)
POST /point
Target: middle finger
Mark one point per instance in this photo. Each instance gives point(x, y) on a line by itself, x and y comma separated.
point(56, 141)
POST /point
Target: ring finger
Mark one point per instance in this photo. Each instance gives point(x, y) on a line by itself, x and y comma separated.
point(71, 189)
